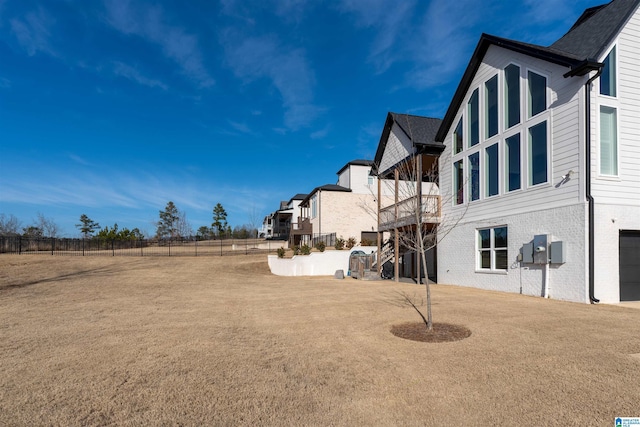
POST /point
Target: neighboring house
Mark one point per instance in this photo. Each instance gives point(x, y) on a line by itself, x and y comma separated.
point(283, 218)
point(346, 209)
point(406, 164)
point(266, 231)
point(542, 151)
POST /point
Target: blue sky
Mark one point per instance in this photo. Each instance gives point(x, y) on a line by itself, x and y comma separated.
point(112, 108)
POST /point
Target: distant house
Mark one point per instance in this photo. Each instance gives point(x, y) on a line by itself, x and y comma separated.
point(346, 209)
point(282, 219)
point(542, 153)
point(266, 231)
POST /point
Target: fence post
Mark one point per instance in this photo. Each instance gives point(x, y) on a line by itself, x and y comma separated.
point(141, 254)
point(169, 246)
point(113, 252)
point(196, 247)
point(20, 245)
point(53, 245)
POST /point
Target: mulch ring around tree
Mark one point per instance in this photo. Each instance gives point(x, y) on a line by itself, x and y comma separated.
point(441, 332)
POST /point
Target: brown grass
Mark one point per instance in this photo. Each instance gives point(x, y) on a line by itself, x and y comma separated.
point(219, 341)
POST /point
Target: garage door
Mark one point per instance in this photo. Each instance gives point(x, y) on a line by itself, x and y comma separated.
point(630, 265)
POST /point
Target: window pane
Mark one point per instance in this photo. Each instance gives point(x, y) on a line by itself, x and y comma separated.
point(513, 162)
point(512, 96)
point(474, 129)
point(608, 141)
point(491, 169)
point(458, 176)
point(608, 76)
point(500, 237)
point(501, 260)
point(537, 94)
point(538, 154)
point(457, 138)
point(485, 259)
point(484, 239)
point(474, 175)
point(491, 114)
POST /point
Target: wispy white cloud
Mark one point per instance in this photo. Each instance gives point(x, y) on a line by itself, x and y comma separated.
point(79, 160)
point(5, 83)
point(33, 32)
point(391, 22)
point(131, 73)
point(321, 133)
point(149, 23)
point(243, 128)
point(254, 58)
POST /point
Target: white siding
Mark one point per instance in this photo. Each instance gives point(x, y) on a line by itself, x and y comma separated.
point(556, 208)
point(566, 151)
point(624, 190)
point(397, 149)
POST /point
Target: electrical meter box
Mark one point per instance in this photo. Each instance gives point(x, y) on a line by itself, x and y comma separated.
point(540, 249)
point(557, 253)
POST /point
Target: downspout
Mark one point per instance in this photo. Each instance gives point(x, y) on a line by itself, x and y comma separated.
point(587, 88)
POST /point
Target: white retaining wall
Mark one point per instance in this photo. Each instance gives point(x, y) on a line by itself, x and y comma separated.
point(317, 264)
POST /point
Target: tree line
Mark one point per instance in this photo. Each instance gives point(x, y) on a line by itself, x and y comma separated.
point(171, 224)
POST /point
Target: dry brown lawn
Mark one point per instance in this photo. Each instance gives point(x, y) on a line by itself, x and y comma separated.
point(220, 341)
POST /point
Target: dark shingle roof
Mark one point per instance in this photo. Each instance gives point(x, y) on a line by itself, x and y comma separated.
point(590, 35)
point(596, 28)
point(326, 187)
point(420, 130)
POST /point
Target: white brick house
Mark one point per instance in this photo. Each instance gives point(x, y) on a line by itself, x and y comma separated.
point(545, 141)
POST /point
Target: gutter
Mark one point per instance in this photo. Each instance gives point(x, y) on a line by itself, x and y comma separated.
point(587, 88)
point(583, 68)
point(590, 200)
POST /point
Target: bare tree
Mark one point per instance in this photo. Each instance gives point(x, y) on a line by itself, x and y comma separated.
point(9, 225)
point(255, 220)
point(415, 213)
point(183, 227)
point(47, 225)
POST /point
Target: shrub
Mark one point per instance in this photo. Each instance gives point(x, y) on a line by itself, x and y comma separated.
point(281, 252)
point(305, 249)
point(351, 242)
point(296, 250)
point(368, 242)
point(339, 245)
point(321, 246)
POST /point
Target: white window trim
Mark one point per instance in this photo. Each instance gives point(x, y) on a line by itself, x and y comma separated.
point(500, 106)
point(614, 45)
point(523, 93)
point(512, 132)
point(611, 102)
point(600, 175)
point(530, 124)
point(526, 98)
point(492, 250)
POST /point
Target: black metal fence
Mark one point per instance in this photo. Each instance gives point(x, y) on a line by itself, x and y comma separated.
point(329, 239)
point(143, 247)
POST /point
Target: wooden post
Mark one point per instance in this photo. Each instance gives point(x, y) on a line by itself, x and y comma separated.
point(396, 243)
point(378, 233)
point(419, 215)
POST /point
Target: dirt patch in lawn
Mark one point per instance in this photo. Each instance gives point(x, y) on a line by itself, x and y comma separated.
point(441, 332)
point(221, 341)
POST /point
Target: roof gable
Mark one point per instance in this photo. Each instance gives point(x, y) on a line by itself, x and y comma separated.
point(421, 131)
point(596, 28)
point(576, 50)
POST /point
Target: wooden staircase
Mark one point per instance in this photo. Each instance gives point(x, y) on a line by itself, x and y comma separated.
point(387, 254)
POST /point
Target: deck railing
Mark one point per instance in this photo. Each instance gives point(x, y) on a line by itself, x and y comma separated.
point(406, 212)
